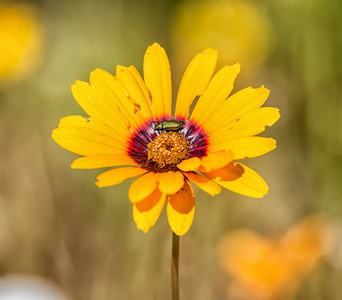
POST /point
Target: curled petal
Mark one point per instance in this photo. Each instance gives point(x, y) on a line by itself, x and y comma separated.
point(204, 183)
point(170, 182)
point(240, 179)
point(143, 187)
point(181, 209)
point(215, 161)
point(228, 173)
point(147, 211)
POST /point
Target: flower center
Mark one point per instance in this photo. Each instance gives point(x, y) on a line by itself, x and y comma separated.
point(169, 148)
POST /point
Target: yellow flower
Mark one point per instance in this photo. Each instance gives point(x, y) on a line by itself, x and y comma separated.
point(267, 269)
point(130, 126)
point(239, 29)
point(20, 41)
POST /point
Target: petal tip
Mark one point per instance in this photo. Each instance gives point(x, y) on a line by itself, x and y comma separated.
point(209, 52)
point(73, 165)
point(237, 66)
point(98, 184)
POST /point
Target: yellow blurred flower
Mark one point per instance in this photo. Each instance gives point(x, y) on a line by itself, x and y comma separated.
point(239, 29)
point(20, 41)
point(130, 124)
point(265, 269)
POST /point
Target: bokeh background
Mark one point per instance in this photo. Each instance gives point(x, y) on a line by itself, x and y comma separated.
point(55, 224)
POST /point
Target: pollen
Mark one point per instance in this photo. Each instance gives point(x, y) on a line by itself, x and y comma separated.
point(168, 149)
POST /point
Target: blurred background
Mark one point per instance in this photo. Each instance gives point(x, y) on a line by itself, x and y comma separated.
point(57, 226)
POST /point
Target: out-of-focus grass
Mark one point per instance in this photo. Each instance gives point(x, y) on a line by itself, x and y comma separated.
point(54, 221)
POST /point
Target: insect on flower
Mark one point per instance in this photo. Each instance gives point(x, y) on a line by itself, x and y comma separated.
point(169, 125)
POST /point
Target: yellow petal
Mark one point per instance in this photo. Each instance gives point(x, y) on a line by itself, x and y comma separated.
point(247, 124)
point(157, 76)
point(215, 160)
point(116, 176)
point(147, 211)
point(217, 91)
point(170, 182)
point(203, 183)
point(109, 85)
point(135, 87)
point(103, 161)
point(190, 164)
point(195, 81)
point(246, 147)
point(86, 141)
point(98, 105)
point(143, 187)
point(249, 183)
point(121, 136)
point(243, 101)
point(181, 209)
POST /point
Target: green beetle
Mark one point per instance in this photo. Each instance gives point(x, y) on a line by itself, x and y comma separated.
point(170, 125)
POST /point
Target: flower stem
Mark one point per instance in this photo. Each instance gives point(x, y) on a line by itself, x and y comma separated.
point(174, 266)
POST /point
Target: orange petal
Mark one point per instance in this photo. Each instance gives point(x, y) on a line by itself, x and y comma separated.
point(116, 176)
point(147, 211)
point(181, 209)
point(170, 182)
point(102, 161)
point(190, 164)
point(228, 173)
point(143, 187)
point(215, 161)
point(203, 183)
point(249, 183)
point(195, 80)
point(158, 80)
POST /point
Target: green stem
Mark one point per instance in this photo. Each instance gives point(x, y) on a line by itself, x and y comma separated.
point(174, 266)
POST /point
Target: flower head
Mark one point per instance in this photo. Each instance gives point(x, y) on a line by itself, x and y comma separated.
point(131, 127)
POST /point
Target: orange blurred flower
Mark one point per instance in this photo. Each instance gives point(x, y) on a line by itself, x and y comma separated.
point(265, 269)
